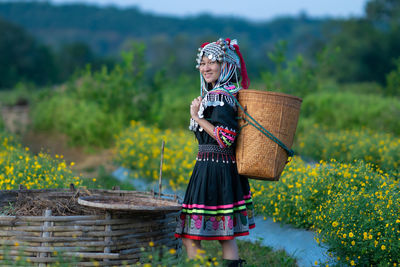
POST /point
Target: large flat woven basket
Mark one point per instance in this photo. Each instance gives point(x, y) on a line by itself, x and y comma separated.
point(257, 156)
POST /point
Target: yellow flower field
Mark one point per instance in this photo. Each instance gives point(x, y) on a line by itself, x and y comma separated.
point(19, 166)
point(139, 148)
point(353, 206)
point(382, 149)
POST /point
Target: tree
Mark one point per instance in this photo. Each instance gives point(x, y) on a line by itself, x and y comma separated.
point(384, 13)
point(71, 57)
point(22, 58)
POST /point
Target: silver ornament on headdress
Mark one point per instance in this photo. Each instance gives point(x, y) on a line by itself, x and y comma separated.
point(219, 51)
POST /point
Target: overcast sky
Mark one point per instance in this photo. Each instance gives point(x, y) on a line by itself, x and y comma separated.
point(250, 9)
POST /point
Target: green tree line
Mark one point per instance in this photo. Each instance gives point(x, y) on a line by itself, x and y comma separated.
point(52, 41)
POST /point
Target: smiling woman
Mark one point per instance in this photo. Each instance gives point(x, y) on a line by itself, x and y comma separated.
point(218, 203)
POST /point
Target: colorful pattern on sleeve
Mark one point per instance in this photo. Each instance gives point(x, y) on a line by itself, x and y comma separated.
point(224, 136)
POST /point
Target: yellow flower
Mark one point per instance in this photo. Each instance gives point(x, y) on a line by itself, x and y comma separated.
point(335, 224)
point(172, 251)
point(351, 234)
point(151, 244)
point(383, 247)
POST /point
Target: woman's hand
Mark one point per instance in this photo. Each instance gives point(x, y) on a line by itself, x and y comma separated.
point(194, 108)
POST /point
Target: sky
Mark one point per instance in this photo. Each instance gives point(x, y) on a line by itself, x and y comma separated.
point(257, 10)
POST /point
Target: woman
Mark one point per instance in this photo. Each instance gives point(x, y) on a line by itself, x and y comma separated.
point(217, 203)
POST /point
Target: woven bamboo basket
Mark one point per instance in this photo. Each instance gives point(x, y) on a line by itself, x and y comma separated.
point(257, 156)
point(101, 237)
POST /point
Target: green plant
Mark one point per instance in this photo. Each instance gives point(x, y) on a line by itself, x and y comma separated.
point(294, 77)
point(350, 111)
point(393, 81)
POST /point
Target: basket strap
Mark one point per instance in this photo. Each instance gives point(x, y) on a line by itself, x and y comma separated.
point(259, 127)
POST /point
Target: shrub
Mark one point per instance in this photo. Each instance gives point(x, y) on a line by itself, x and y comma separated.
point(119, 90)
point(343, 202)
point(85, 123)
point(94, 106)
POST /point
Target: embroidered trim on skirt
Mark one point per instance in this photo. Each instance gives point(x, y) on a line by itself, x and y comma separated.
point(217, 203)
point(216, 223)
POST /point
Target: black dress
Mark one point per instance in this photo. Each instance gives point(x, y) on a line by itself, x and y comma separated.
point(217, 204)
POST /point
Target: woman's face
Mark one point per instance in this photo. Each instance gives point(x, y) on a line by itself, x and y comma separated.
point(210, 70)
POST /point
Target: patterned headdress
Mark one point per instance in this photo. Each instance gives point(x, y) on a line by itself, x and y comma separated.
point(228, 54)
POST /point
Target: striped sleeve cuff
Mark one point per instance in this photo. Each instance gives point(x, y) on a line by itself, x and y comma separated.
point(224, 136)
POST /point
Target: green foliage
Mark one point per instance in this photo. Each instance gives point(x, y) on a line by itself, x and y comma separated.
point(73, 57)
point(1, 124)
point(343, 202)
point(84, 122)
point(292, 77)
point(377, 148)
point(362, 88)
point(393, 81)
point(118, 90)
point(22, 93)
point(97, 105)
point(383, 12)
point(171, 99)
point(346, 110)
point(255, 254)
point(20, 56)
point(369, 57)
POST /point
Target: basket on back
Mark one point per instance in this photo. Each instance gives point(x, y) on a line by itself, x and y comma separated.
point(257, 155)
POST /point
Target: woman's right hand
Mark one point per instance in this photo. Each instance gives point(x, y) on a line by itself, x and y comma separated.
point(194, 108)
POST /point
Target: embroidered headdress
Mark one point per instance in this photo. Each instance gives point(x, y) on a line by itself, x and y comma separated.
point(228, 54)
point(232, 64)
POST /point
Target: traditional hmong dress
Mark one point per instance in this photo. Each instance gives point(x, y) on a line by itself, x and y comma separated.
point(217, 204)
